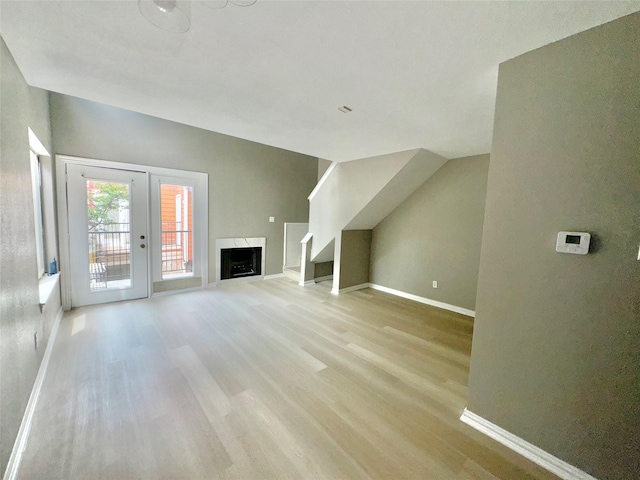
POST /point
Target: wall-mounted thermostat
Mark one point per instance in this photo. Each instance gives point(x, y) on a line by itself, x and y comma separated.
point(573, 242)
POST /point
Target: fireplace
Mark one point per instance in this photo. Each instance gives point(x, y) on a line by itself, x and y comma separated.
point(240, 262)
point(240, 258)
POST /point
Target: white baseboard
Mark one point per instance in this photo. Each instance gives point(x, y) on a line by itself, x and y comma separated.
point(427, 301)
point(304, 283)
point(212, 284)
point(11, 473)
point(350, 289)
point(275, 275)
point(547, 461)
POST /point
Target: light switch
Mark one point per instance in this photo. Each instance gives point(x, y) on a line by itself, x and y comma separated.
point(272, 219)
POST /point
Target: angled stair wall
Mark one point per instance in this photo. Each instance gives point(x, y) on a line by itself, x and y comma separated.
point(357, 195)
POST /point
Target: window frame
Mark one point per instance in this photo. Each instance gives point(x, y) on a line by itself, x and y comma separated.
point(199, 196)
point(36, 193)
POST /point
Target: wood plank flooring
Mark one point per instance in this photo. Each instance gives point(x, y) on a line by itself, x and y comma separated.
point(263, 380)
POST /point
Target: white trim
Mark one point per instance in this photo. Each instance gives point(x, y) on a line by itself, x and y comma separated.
point(550, 462)
point(20, 444)
point(275, 275)
point(353, 288)
point(304, 283)
point(322, 180)
point(169, 172)
point(46, 285)
point(64, 262)
point(428, 301)
point(212, 285)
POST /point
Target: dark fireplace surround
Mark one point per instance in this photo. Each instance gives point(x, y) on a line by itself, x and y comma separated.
point(240, 262)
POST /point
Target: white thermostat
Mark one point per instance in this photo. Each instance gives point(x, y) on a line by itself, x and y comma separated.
point(573, 242)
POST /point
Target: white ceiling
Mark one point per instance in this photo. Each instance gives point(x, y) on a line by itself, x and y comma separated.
point(417, 74)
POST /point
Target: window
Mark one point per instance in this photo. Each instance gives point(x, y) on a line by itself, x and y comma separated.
point(36, 187)
point(176, 209)
point(179, 243)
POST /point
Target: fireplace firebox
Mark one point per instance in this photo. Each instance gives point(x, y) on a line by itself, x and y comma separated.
point(240, 262)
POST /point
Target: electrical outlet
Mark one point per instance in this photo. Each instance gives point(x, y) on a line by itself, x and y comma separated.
point(35, 340)
point(435, 284)
point(272, 219)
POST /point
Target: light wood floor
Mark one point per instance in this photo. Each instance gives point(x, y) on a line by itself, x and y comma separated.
point(262, 380)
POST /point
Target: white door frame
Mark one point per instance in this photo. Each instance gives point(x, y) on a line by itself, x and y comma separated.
point(63, 221)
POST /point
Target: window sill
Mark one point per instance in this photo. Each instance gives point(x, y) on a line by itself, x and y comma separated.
point(47, 284)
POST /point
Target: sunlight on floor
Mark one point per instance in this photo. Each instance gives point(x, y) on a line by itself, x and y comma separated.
point(78, 324)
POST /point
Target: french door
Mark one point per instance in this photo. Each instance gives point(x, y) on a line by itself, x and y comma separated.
point(107, 218)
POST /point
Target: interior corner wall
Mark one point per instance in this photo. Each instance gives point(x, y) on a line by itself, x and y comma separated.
point(435, 235)
point(248, 181)
point(355, 256)
point(555, 357)
point(323, 166)
point(20, 317)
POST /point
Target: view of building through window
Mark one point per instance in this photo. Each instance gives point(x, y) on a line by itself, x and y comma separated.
point(176, 207)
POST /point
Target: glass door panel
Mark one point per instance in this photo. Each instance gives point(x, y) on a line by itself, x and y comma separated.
point(109, 234)
point(176, 210)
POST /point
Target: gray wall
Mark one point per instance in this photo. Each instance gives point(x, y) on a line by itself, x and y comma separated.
point(556, 357)
point(435, 235)
point(248, 182)
point(20, 316)
point(323, 269)
point(355, 255)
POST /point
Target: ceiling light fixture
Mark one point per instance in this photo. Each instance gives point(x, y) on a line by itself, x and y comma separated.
point(175, 15)
point(218, 4)
point(345, 109)
point(169, 15)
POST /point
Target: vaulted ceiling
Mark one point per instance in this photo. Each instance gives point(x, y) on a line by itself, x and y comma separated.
point(417, 74)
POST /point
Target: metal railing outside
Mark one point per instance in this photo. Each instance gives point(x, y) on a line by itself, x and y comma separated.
point(176, 247)
point(109, 254)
